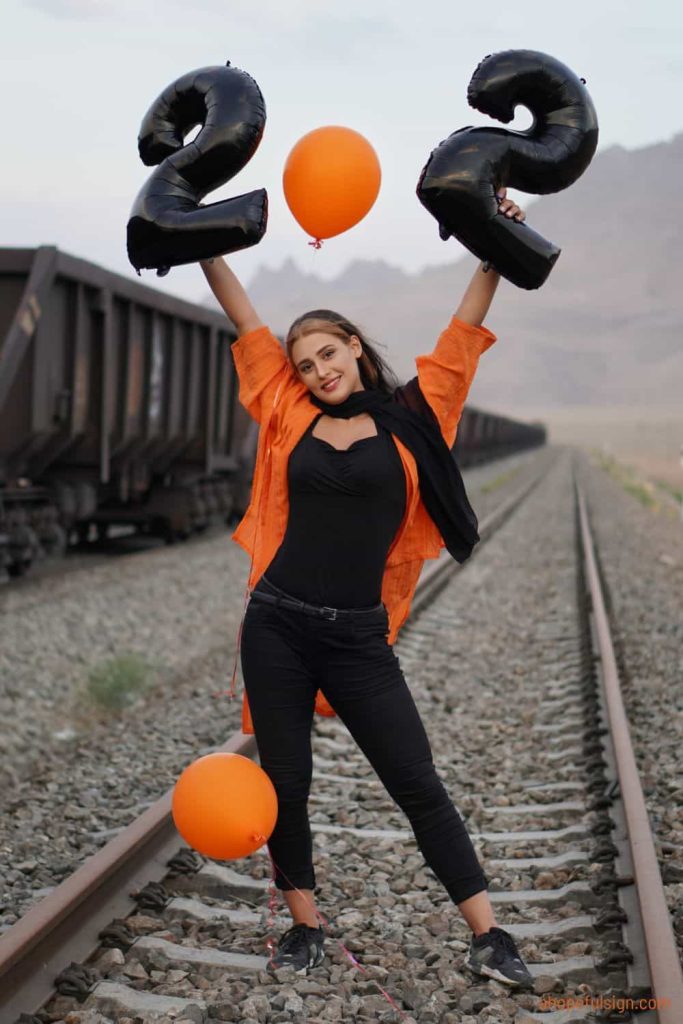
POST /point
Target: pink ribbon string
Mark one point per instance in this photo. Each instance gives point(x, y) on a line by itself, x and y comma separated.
point(272, 904)
point(238, 646)
point(272, 911)
point(232, 692)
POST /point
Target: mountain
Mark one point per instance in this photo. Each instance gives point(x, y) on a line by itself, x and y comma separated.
point(605, 329)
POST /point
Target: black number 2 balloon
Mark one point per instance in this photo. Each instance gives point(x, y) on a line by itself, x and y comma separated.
point(167, 225)
point(459, 182)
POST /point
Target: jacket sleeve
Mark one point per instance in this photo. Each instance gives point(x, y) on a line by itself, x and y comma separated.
point(446, 374)
point(260, 361)
point(410, 396)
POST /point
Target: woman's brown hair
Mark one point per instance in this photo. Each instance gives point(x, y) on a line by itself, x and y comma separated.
point(375, 373)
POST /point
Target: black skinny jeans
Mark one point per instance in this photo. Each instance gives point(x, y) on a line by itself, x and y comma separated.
point(286, 657)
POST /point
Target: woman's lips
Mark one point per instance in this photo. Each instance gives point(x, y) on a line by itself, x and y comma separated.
point(332, 386)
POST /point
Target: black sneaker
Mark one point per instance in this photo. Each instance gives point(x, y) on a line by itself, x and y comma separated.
point(300, 947)
point(495, 955)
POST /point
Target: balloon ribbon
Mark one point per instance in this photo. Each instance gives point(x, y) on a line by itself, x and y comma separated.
point(272, 905)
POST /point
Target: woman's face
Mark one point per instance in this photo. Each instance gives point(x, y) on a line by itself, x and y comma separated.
point(321, 359)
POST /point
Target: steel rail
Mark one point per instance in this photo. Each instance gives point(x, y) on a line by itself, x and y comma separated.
point(65, 925)
point(660, 943)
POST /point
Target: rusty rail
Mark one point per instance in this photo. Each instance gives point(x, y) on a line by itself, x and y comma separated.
point(64, 926)
point(660, 943)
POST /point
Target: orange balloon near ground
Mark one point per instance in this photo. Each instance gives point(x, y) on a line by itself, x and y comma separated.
point(224, 806)
point(331, 180)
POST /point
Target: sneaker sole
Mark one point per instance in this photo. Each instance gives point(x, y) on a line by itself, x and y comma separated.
point(271, 969)
point(310, 967)
point(491, 972)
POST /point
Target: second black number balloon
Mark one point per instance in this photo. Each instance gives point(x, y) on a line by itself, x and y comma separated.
point(459, 181)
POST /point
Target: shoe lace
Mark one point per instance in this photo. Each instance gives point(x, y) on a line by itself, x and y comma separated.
point(504, 942)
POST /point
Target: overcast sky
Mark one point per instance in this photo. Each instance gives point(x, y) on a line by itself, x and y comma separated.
point(78, 75)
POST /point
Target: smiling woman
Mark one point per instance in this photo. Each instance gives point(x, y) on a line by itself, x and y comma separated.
point(354, 487)
point(324, 346)
point(334, 360)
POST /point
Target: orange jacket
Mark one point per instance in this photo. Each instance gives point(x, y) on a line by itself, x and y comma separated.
point(277, 399)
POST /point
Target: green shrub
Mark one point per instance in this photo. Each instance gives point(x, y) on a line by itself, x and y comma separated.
point(115, 684)
point(626, 476)
point(499, 481)
point(675, 492)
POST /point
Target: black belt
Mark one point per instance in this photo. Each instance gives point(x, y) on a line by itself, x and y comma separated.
point(324, 612)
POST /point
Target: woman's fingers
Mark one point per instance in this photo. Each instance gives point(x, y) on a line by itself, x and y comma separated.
point(508, 206)
point(510, 209)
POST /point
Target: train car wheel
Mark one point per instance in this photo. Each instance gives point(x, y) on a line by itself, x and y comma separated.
point(19, 568)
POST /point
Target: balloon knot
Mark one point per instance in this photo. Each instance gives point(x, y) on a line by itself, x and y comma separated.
point(317, 244)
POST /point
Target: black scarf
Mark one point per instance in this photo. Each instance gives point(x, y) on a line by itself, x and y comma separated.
point(441, 487)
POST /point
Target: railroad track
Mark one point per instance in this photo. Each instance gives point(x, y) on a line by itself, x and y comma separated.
point(595, 903)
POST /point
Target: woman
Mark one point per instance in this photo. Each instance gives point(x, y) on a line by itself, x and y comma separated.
point(353, 488)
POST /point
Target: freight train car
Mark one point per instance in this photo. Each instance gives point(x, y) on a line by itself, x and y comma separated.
point(118, 405)
point(483, 436)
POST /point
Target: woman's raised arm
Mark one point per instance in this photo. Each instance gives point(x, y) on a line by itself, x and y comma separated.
point(478, 296)
point(231, 295)
point(480, 291)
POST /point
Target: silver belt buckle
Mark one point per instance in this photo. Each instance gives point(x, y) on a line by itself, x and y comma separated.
point(331, 617)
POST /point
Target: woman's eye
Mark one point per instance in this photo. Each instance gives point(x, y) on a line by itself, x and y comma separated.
point(306, 368)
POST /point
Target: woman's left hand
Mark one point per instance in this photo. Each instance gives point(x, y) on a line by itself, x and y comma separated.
point(508, 207)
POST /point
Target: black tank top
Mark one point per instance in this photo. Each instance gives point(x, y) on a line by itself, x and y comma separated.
point(345, 508)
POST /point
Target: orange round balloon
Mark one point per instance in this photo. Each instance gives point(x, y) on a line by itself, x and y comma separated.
point(331, 180)
point(224, 806)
